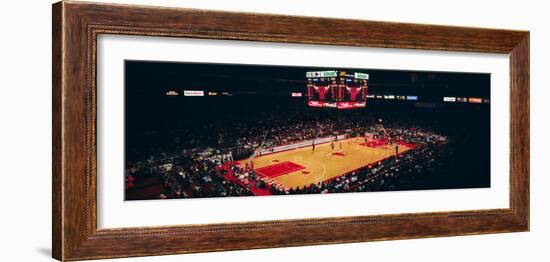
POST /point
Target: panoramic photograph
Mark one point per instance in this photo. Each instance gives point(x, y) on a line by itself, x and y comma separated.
point(200, 130)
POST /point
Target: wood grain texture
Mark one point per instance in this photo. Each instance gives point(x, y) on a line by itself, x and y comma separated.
point(76, 26)
point(57, 195)
point(519, 129)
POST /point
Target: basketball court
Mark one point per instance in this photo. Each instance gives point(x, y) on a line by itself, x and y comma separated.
point(304, 166)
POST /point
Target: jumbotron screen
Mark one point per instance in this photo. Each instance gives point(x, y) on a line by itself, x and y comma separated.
point(337, 89)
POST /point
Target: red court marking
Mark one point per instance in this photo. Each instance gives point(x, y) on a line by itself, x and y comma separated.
point(407, 144)
point(382, 142)
point(279, 169)
point(375, 143)
point(338, 154)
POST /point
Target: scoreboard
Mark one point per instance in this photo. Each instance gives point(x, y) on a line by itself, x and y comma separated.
point(337, 89)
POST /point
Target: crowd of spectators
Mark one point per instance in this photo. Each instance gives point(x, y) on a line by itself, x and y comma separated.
point(185, 177)
point(197, 165)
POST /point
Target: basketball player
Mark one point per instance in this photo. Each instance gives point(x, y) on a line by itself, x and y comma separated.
point(332, 145)
point(313, 145)
point(396, 150)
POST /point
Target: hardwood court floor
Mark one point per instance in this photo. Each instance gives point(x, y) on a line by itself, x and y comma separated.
point(321, 164)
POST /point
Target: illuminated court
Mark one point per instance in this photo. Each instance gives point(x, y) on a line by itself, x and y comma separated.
point(304, 166)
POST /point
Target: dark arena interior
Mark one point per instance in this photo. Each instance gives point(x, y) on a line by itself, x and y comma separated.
point(195, 130)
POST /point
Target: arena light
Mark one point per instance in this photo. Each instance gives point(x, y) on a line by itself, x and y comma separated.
point(475, 100)
point(389, 97)
point(212, 93)
point(370, 96)
point(193, 93)
point(172, 93)
point(462, 99)
point(296, 94)
point(414, 98)
point(449, 99)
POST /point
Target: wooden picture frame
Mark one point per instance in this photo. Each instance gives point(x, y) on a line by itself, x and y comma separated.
point(76, 26)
